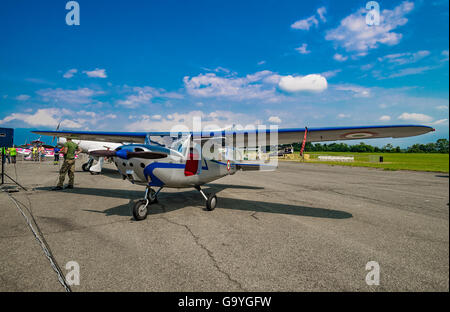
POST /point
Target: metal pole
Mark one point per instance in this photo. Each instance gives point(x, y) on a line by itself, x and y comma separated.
point(303, 144)
point(16, 182)
point(3, 167)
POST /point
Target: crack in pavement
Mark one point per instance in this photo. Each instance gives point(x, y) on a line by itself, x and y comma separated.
point(209, 252)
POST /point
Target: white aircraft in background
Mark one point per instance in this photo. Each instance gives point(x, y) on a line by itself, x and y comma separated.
point(190, 161)
point(89, 146)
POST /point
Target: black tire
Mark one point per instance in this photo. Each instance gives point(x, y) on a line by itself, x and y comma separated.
point(85, 167)
point(211, 203)
point(139, 210)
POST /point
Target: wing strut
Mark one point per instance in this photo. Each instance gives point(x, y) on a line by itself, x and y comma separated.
point(304, 142)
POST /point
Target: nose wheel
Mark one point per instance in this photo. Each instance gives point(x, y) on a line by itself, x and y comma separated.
point(86, 166)
point(211, 199)
point(140, 208)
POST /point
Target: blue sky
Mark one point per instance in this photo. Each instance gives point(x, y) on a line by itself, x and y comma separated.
point(148, 65)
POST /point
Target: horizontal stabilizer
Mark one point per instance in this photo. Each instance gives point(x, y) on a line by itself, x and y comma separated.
point(255, 166)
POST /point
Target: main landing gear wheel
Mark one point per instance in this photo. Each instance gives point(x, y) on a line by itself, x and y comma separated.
point(211, 202)
point(140, 209)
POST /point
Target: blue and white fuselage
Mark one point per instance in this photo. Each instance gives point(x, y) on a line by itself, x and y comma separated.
point(170, 171)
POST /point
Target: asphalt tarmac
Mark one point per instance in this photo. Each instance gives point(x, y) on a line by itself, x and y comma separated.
point(304, 227)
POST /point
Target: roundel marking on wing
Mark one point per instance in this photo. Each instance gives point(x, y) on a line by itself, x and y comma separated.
point(358, 135)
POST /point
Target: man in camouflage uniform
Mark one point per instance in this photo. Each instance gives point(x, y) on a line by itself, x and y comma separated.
point(69, 150)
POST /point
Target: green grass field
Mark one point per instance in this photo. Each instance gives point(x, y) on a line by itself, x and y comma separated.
point(391, 161)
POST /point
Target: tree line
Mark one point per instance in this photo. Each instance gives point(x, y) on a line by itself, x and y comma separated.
point(440, 146)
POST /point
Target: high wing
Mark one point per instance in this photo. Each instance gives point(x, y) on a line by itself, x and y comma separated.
point(285, 136)
point(115, 137)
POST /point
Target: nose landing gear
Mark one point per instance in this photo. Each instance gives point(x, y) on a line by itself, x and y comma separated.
point(140, 208)
point(86, 166)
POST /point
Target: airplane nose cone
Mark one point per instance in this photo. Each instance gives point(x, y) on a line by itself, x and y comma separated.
point(122, 154)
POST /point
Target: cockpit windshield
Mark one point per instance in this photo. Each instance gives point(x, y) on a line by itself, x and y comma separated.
point(177, 144)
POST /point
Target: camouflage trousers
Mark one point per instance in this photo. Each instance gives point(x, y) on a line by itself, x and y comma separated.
point(67, 166)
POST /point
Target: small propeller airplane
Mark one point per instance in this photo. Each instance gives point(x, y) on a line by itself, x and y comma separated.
point(86, 147)
point(193, 159)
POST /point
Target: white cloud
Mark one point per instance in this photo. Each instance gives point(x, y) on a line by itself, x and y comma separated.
point(321, 11)
point(64, 96)
point(85, 113)
point(261, 62)
point(70, 73)
point(343, 115)
point(442, 107)
point(415, 117)
point(313, 82)
point(303, 49)
point(367, 67)
point(404, 58)
point(339, 57)
point(410, 71)
point(96, 73)
point(22, 97)
point(274, 119)
point(385, 118)
point(331, 73)
point(213, 120)
point(71, 124)
point(357, 91)
point(47, 117)
point(440, 121)
point(445, 55)
point(259, 85)
point(353, 34)
point(144, 95)
point(307, 23)
point(43, 117)
point(51, 117)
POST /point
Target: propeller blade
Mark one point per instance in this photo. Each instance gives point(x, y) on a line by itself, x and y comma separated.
point(127, 155)
point(146, 155)
point(103, 153)
point(57, 128)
